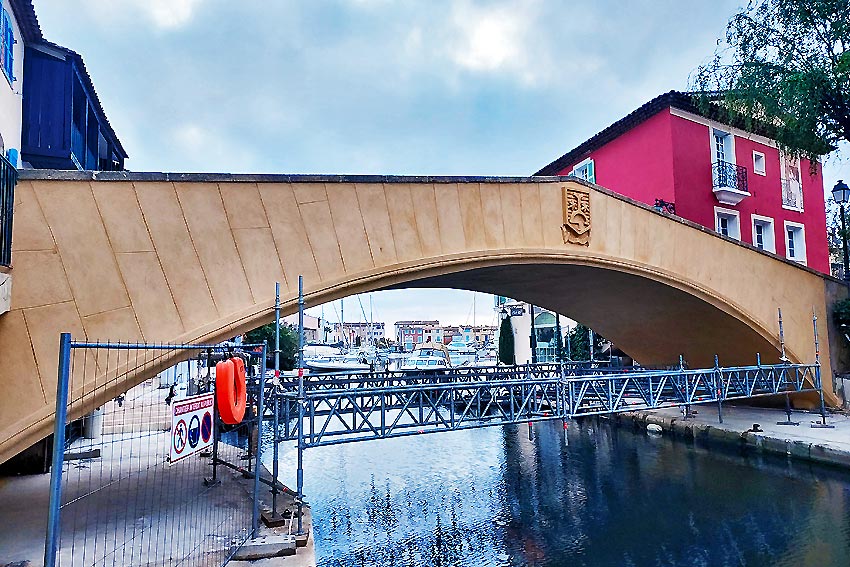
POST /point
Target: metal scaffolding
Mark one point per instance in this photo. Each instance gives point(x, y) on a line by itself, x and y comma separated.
point(378, 406)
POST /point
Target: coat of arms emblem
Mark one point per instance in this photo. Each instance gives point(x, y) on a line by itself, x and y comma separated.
point(576, 206)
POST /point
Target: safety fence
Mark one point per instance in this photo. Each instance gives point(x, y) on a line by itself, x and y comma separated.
point(149, 474)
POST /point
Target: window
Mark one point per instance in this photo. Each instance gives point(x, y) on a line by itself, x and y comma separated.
point(792, 184)
point(585, 170)
point(758, 163)
point(795, 242)
point(7, 43)
point(763, 237)
point(727, 222)
point(723, 148)
point(719, 147)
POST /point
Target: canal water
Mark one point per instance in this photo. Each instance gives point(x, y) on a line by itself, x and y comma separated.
point(590, 495)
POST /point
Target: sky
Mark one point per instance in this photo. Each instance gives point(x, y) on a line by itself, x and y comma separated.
point(436, 87)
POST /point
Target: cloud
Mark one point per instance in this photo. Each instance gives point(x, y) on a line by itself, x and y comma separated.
point(199, 147)
point(164, 14)
point(169, 13)
point(494, 38)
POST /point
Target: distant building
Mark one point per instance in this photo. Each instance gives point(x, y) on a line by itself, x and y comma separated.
point(411, 333)
point(368, 333)
point(701, 164)
point(544, 326)
point(468, 334)
point(312, 327)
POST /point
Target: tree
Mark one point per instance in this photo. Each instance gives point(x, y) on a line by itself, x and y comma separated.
point(784, 67)
point(507, 355)
point(288, 343)
point(579, 341)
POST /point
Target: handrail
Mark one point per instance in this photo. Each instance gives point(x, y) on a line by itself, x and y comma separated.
point(8, 179)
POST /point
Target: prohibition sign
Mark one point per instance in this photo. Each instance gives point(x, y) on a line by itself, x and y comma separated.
point(206, 427)
point(181, 434)
point(194, 431)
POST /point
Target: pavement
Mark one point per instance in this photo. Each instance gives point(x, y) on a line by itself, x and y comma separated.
point(830, 446)
point(150, 513)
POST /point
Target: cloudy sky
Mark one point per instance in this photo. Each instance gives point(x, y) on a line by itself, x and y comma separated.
point(379, 86)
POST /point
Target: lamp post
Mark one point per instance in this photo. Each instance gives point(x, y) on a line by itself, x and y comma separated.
point(841, 194)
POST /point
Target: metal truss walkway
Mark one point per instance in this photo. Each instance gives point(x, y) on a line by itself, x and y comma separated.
point(347, 408)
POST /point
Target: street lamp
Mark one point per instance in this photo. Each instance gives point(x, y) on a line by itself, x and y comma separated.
point(841, 194)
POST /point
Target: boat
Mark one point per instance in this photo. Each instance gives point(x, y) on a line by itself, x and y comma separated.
point(427, 357)
point(323, 359)
point(340, 364)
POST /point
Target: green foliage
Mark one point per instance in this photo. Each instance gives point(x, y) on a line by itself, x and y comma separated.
point(288, 343)
point(841, 313)
point(580, 341)
point(785, 65)
point(507, 355)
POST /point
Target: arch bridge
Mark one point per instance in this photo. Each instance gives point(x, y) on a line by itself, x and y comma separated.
point(184, 258)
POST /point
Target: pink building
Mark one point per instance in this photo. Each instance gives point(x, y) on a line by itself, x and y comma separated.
point(712, 173)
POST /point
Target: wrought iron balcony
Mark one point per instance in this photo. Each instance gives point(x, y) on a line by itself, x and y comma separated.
point(8, 178)
point(729, 182)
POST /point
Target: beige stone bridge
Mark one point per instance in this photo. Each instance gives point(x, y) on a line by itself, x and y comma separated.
point(185, 258)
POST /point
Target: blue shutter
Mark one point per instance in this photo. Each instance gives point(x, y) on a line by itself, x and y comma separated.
point(10, 47)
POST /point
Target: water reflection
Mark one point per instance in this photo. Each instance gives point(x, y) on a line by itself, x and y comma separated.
point(590, 495)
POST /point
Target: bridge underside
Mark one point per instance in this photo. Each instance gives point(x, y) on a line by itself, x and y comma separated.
point(650, 321)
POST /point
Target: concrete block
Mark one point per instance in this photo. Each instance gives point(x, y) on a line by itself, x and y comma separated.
point(800, 449)
point(828, 455)
point(775, 445)
point(266, 546)
point(752, 440)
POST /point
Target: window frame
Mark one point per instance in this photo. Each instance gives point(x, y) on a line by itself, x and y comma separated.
point(763, 171)
point(727, 213)
point(728, 149)
point(587, 164)
point(784, 162)
point(764, 221)
point(798, 246)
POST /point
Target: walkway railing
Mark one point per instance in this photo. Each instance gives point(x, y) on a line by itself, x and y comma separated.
point(8, 179)
point(362, 407)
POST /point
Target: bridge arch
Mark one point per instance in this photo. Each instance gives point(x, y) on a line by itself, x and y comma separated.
point(185, 258)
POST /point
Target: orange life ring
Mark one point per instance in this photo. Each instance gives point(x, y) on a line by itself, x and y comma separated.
point(230, 390)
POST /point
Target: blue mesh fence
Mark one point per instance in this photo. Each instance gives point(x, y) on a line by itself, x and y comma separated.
point(149, 474)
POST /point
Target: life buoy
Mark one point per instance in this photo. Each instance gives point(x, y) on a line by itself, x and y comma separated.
point(230, 390)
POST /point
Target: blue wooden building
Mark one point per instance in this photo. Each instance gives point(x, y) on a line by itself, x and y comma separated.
point(64, 125)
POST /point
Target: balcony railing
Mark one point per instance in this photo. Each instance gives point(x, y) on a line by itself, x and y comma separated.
point(729, 182)
point(8, 178)
point(792, 194)
point(729, 176)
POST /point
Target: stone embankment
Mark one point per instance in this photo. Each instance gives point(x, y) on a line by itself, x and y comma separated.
point(756, 429)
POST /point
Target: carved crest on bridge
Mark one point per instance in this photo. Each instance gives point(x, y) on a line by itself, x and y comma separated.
point(576, 206)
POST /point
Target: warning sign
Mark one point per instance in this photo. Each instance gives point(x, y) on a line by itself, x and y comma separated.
point(191, 425)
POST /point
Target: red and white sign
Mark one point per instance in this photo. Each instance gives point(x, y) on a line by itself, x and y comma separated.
point(191, 425)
